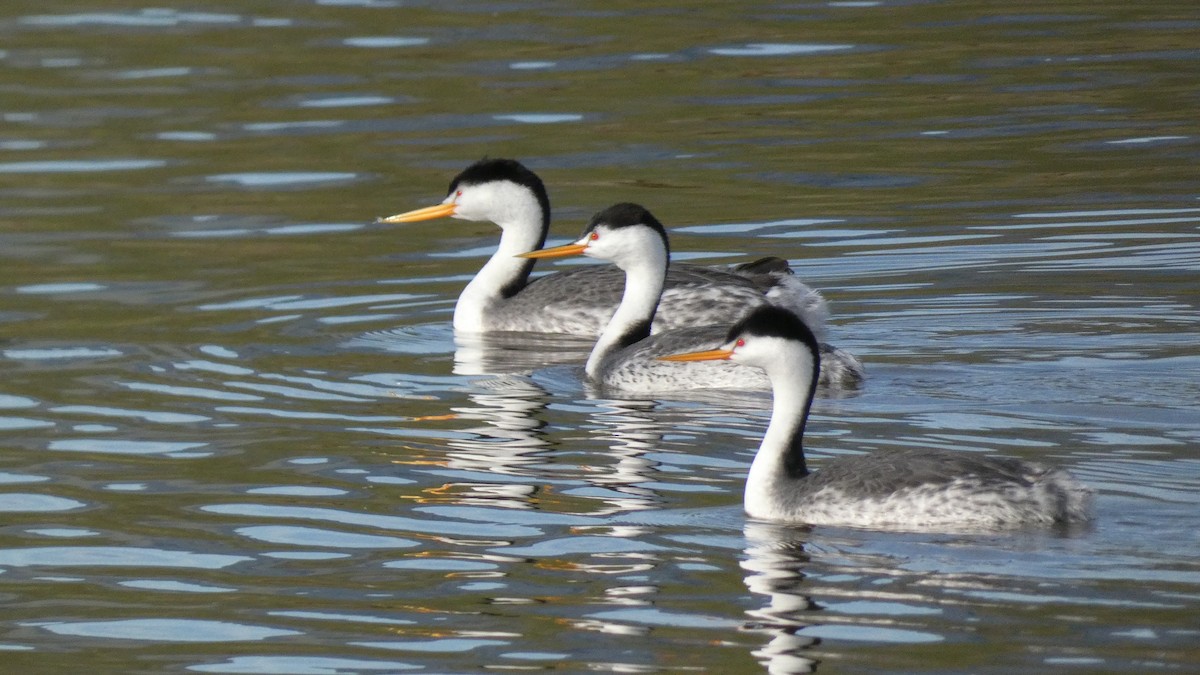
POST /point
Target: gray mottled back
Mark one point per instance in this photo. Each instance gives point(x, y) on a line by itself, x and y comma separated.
point(919, 488)
point(582, 300)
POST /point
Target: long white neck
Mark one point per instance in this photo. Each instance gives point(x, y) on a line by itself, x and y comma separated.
point(780, 458)
point(503, 275)
point(644, 281)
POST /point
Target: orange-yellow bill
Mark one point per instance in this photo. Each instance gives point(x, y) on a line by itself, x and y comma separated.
point(427, 213)
point(556, 252)
point(710, 355)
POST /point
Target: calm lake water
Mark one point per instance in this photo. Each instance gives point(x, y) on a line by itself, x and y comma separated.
point(236, 435)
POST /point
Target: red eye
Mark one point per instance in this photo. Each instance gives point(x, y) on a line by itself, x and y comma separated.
point(594, 236)
point(458, 194)
point(740, 343)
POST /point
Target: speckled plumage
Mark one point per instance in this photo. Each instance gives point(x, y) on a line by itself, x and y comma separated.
point(582, 300)
point(922, 488)
point(636, 368)
point(906, 488)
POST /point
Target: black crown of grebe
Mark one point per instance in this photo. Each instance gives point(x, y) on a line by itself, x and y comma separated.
point(909, 488)
point(502, 297)
point(625, 355)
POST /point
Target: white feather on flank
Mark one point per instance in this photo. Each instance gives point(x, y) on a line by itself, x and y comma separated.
point(803, 301)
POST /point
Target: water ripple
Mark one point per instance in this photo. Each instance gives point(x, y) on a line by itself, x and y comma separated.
point(189, 392)
point(56, 353)
point(281, 179)
point(385, 42)
point(594, 545)
point(147, 18)
point(117, 446)
point(80, 166)
point(312, 536)
point(857, 633)
point(156, 417)
point(60, 288)
point(658, 617)
point(16, 502)
point(114, 556)
point(779, 49)
point(300, 665)
point(168, 630)
point(62, 532)
point(369, 520)
point(174, 586)
point(437, 646)
point(348, 618)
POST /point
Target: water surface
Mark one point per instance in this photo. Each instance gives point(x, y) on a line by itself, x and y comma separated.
point(238, 436)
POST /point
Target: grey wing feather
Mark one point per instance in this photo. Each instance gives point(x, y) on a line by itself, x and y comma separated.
point(840, 369)
point(949, 487)
point(763, 267)
point(882, 473)
point(581, 300)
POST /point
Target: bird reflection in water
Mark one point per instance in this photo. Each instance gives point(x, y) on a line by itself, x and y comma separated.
point(775, 559)
point(509, 442)
point(631, 432)
point(510, 353)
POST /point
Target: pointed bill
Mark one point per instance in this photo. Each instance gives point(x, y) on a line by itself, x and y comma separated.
point(427, 213)
point(709, 355)
point(556, 252)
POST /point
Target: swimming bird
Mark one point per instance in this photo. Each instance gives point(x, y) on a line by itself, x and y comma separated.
point(625, 355)
point(907, 488)
point(502, 297)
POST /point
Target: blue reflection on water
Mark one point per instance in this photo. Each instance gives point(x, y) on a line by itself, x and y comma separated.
point(168, 630)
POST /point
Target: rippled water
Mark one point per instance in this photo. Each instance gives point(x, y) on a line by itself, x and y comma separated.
point(238, 435)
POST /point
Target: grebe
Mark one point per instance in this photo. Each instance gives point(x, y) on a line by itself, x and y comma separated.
point(909, 488)
point(625, 356)
point(501, 297)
